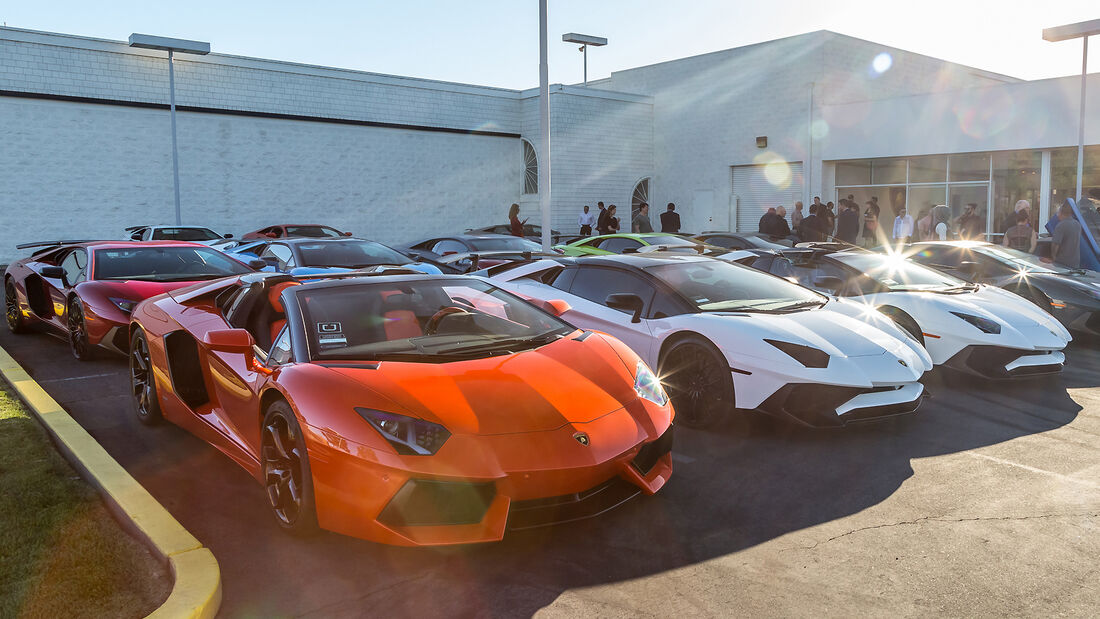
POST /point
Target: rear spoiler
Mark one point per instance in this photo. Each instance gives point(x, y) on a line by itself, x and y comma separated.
point(55, 243)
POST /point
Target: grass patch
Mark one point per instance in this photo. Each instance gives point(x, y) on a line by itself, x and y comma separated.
point(61, 552)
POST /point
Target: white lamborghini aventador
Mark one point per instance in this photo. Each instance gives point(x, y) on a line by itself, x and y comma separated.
point(727, 336)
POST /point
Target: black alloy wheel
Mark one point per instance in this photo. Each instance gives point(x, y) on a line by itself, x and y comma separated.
point(143, 387)
point(287, 476)
point(78, 331)
point(698, 381)
point(11, 308)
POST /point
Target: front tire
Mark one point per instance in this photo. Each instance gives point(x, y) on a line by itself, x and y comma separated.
point(143, 385)
point(288, 479)
point(78, 331)
point(12, 313)
point(698, 381)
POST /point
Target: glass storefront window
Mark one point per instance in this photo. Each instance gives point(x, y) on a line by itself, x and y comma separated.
point(887, 171)
point(923, 197)
point(972, 167)
point(928, 169)
point(853, 173)
point(969, 209)
point(1063, 174)
point(1016, 176)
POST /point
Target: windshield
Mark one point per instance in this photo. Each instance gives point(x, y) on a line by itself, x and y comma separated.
point(164, 264)
point(715, 286)
point(897, 273)
point(1020, 260)
point(675, 241)
point(349, 254)
point(504, 243)
point(430, 321)
point(184, 234)
point(763, 243)
point(313, 232)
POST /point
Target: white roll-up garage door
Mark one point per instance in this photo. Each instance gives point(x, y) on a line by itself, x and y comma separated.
point(756, 188)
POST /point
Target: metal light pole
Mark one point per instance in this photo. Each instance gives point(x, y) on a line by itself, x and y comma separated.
point(584, 40)
point(171, 46)
point(544, 130)
point(1081, 30)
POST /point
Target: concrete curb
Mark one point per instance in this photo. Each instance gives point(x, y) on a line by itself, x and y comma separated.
point(197, 590)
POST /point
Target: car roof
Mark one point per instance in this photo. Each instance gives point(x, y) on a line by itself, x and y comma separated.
point(121, 244)
point(639, 261)
point(956, 243)
point(345, 281)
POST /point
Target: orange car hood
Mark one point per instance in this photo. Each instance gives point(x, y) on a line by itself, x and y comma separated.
point(568, 381)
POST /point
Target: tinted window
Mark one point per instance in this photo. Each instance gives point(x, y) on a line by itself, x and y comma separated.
point(280, 350)
point(713, 285)
point(316, 232)
point(348, 254)
point(729, 242)
point(75, 265)
point(596, 283)
point(447, 247)
point(505, 243)
point(617, 244)
point(185, 234)
point(938, 255)
point(165, 264)
point(282, 253)
point(808, 274)
point(897, 273)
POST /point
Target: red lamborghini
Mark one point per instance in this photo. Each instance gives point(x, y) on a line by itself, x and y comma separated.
point(403, 409)
point(87, 289)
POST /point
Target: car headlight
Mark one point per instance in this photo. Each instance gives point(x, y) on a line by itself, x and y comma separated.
point(985, 325)
point(648, 386)
point(125, 305)
point(408, 435)
point(806, 355)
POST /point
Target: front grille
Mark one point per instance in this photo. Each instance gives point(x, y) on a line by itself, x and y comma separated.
point(815, 405)
point(425, 502)
point(651, 453)
point(990, 361)
point(570, 507)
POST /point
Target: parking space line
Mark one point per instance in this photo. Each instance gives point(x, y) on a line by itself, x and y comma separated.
point(1074, 480)
point(61, 380)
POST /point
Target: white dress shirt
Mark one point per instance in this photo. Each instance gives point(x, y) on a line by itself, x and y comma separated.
point(587, 219)
point(903, 226)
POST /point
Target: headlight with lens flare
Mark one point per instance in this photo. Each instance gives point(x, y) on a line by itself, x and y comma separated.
point(125, 305)
point(985, 325)
point(648, 386)
point(408, 435)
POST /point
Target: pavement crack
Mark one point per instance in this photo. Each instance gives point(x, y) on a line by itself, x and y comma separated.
point(941, 519)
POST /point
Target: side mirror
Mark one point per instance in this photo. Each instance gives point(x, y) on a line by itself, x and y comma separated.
point(257, 263)
point(557, 307)
point(53, 272)
point(626, 302)
point(229, 340)
point(228, 236)
point(829, 282)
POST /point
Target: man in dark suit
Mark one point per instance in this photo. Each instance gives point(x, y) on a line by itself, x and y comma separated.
point(670, 219)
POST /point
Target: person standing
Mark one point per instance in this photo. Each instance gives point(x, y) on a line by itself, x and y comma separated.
point(767, 222)
point(670, 219)
point(941, 222)
point(969, 224)
point(641, 223)
point(603, 221)
point(586, 220)
point(1021, 236)
point(515, 226)
point(1065, 243)
point(903, 226)
point(796, 216)
point(847, 225)
point(810, 228)
point(870, 224)
point(924, 225)
point(780, 227)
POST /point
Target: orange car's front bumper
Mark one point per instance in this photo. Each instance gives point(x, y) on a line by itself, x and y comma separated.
point(477, 487)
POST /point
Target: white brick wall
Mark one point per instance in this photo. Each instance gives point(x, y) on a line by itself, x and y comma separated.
point(88, 171)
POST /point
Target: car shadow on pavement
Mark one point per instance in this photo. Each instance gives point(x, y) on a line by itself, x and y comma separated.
point(734, 487)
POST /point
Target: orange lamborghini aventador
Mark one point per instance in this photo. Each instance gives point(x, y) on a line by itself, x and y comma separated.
point(405, 409)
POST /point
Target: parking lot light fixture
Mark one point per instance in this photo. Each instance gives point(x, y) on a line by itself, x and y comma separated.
point(170, 45)
point(584, 40)
point(1081, 30)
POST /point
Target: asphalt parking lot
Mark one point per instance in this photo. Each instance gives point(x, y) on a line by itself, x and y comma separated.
point(986, 502)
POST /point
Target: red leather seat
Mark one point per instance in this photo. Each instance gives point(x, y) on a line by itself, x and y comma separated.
point(276, 304)
point(401, 324)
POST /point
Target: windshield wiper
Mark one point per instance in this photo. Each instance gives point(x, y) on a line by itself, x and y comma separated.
point(504, 344)
point(800, 305)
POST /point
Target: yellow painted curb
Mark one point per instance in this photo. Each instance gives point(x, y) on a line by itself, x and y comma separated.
point(196, 591)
